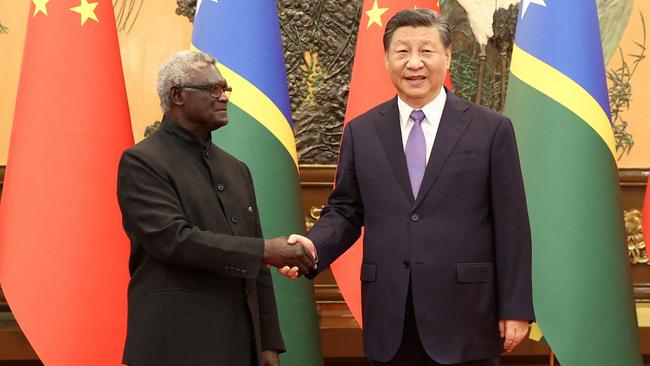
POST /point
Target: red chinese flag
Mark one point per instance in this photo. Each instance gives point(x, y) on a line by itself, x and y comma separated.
point(370, 85)
point(645, 223)
point(63, 253)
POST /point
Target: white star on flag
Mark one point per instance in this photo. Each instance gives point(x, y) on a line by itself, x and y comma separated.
point(525, 4)
point(198, 4)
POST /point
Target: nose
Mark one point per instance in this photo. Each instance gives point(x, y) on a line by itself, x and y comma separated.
point(414, 62)
point(224, 98)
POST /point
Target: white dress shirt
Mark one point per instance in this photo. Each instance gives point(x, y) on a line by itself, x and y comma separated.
point(432, 112)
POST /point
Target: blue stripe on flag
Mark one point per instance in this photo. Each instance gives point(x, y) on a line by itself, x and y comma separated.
point(242, 35)
point(565, 34)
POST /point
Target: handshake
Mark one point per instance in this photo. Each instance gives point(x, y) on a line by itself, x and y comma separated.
point(293, 256)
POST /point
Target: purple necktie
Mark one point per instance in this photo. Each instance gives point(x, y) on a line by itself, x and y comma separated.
point(416, 152)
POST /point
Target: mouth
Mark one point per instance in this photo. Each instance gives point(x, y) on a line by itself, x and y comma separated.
point(415, 80)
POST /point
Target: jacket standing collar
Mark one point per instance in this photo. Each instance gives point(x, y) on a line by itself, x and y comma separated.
point(172, 127)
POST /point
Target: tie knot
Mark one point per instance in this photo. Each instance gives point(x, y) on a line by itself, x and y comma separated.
point(417, 115)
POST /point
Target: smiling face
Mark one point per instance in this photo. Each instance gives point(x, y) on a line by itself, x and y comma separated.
point(417, 62)
point(201, 112)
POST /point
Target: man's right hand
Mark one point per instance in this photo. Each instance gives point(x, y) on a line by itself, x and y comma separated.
point(278, 253)
point(294, 272)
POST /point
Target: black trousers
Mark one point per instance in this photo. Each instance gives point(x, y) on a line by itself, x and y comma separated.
point(412, 353)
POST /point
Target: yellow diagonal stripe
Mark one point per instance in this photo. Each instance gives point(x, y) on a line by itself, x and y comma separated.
point(535, 332)
point(254, 102)
point(565, 91)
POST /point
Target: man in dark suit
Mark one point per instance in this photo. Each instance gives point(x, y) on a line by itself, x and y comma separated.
point(200, 290)
point(436, 182)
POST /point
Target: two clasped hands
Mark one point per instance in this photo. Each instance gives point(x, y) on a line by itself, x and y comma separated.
point(293, 256)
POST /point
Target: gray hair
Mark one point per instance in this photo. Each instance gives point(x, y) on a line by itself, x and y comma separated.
point(418, 18)
point(176, 70)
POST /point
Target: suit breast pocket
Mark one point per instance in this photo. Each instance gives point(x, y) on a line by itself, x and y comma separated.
point(463, 155)
point(464, 174)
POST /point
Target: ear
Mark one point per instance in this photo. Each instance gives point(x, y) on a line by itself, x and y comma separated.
point(176, 96)
point(386, 60)
point(448, 57)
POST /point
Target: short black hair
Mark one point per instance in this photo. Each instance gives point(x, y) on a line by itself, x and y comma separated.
point(417, 18)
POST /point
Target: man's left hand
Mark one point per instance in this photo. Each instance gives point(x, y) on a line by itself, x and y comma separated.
point(293, 272)
point(513, 331)
point(270, 358)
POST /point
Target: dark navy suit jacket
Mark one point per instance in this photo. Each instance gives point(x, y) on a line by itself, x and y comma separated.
point(464, 244)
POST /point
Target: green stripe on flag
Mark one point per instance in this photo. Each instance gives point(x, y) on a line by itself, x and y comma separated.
point(581, 280)
point(274, 173)
point(278, 197)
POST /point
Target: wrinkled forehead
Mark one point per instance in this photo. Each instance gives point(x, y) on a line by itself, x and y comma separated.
point(410, 35)
point(206, 74)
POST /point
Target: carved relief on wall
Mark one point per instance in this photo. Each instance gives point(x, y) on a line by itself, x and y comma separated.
point(314, 215)
point(634, 232)
point(319, 37)
point(483, 34)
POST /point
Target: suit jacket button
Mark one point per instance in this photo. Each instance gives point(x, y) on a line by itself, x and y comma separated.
point(234, 219)
point(220, 187)
point(415, 217)
point(407, 264)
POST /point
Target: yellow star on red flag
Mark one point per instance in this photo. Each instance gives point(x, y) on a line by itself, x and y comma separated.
point(87, 11)
point(374, 15)
point(40, 6)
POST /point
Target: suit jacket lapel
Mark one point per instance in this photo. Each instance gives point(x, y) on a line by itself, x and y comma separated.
point(451, 128)
point(390, 134)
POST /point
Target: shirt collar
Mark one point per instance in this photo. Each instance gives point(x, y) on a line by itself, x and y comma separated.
point(172, 127)
point(432, 110)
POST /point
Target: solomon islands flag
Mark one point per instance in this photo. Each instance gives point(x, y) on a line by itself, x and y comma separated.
point(244, 37)
point(558, 102)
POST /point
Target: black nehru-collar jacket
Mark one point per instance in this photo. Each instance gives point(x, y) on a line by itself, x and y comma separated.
point(199, 291)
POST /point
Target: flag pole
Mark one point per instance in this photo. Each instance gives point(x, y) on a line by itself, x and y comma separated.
point(551, 358)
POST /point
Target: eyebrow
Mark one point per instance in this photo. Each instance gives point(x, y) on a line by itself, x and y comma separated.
point(426, 40)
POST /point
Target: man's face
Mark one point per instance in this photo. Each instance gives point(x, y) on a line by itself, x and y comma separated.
point(200, 108)
point(418, 62)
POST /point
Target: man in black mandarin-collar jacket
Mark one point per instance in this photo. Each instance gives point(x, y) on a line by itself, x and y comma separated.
point(200, 292)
